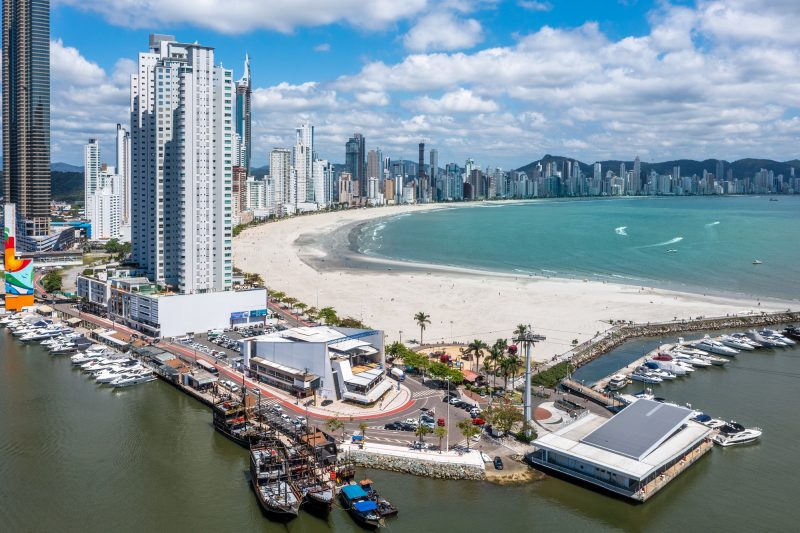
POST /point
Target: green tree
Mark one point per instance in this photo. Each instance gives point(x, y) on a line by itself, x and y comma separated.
point(334, 425)
point(112, 246)
point(422, 320)
point(502, 416)
point(328, 315)
point(52, 281)
point(362, 427)
point(350, 322)
point(468, 429)
point(300, 306)
point(277, 296)
point(520, 330)
point(289, 301)
point(476, 348)
point(440, 432)
point(509, 366)
point(312, 313)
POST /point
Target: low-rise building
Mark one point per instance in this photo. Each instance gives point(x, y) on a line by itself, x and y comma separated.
point(328, 362)
point(139, 304)
point(633, 454)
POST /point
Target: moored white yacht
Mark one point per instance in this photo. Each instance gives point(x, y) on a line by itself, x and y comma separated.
point(617, 381)
point(133, 378)
point(744, 338)
point(765, 341)
point(653, 368)
point(708, 421)
point(690, 359)
point(733, 342)
point(772, 334)
point(710, 345)
point(734, 433)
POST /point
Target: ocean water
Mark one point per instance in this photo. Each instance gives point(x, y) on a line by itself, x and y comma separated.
point(697, 244)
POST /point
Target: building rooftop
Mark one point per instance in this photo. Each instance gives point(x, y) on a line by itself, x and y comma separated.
point(658, 442)
point(639, 428)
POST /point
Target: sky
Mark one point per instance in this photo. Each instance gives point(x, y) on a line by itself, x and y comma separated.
point(501, 82)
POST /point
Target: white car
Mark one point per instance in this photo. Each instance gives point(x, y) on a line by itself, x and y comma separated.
point(277, 408)
point(301, 419)
point(285, 416)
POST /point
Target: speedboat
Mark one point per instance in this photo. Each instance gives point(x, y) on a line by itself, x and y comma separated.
point(690, 359)
point(710, 345)
point(734, 433)
point(110, 374)
point(765, 341)
point(733, 342)
point(654, 369)
point(133, 378)
point(708, 421)
point(792, 332)
point(665, 362)
point(744, 338)
point(645, 377)
point(59, 349)
point(617, 382)
point(772, 334)
point(757, 262)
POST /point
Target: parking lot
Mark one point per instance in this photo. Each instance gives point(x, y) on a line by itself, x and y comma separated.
point(223, 345)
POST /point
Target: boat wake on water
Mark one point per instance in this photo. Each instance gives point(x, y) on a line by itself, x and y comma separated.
point(621, 230)
point(710, 224)
point(665, 243)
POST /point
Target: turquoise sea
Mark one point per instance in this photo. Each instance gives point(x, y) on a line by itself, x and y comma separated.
point(697, 244)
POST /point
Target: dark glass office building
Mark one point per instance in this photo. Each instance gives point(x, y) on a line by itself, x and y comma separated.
point(26, 113)
point(355, 161)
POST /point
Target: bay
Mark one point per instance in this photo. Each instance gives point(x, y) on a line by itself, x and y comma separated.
point(624, 240)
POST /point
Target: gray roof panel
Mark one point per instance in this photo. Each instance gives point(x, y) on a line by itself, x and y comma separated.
point(639, 428)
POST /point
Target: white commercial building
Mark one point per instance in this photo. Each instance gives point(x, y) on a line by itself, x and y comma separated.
point(181, 166)
point(141, 305)
point(332, 363)
point(628, 453)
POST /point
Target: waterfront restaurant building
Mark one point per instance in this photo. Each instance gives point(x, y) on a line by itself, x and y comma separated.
point(632, 454)
point(327, 362)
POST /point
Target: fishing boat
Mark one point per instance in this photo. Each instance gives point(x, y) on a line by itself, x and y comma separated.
point(364, 511)
point(385, 507)
point(268, 471)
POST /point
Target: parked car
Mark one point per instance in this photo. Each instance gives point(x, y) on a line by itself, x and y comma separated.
point(301, 419)
point(498, 463)
point(419, 445)
point(429, 425)
point(285, 416)
point(277, 408)
point(454, 401)
point(393, 426)
point(478, 421)
point(440, 422)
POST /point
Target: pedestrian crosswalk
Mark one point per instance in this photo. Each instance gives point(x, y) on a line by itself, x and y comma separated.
point(425, 394)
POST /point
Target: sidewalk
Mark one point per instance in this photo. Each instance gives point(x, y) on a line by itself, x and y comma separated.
point(471, 458)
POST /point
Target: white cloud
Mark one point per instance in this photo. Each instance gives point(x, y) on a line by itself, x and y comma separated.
point(532, 5)
point(443, 31)
point(68, 66)
point(458, 101)
point(324, 47)
point(377, 98)
point(240, 16)
point(287, 97)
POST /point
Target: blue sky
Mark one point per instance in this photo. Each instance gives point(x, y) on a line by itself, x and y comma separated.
point(503, 82)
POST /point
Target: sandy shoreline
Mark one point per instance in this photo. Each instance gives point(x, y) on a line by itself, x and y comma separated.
point(310, 258)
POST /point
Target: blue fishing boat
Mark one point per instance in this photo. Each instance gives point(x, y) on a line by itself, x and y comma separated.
point(357, 502)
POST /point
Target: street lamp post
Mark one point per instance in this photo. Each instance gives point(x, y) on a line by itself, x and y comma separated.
point(528, 339)
point(447, 420)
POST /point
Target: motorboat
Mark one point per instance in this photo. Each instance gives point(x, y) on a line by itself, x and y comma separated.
point(617, 381)
point(653, 368)
point(684, 348)
point(133, 379)
point(110, 374)
point(745, 338)
point(792, 332)
point(708, 421)
point(775, 335)
point(710, 345)
point(645, 377)
point(60, 349)
point(665, 362)
point(733, 342)
point(757, 262)
point(691, 359)
point(735, 433)
point(363, 510)
point(765, 341)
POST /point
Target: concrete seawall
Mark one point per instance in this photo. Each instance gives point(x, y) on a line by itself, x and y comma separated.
point(426, 464)
point(623, 333)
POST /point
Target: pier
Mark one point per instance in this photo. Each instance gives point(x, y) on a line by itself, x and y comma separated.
point(589, 393)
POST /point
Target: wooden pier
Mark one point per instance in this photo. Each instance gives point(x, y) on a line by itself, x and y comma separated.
point(661, 481)
point(589, 393)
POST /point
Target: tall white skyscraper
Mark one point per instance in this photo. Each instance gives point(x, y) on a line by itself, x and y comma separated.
point(303, 158)
point(123, 165)
point(281, 175)
point(181, 154)
point(323, 183)
point(91, 172)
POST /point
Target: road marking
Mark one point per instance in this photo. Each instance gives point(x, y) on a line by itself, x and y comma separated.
point(426, 394)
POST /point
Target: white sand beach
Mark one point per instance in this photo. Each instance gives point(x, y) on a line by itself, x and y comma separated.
point(308, 258)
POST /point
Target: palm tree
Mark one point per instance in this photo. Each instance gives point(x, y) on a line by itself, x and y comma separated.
point(476, 348)
point(496, 356)
point(440, 432)
point(468, 429)
point(328, 315)
point(362, 427)
point(421, 431)
point(509, 365)
point(289, 301)
point(334, 425)
point(312, 313)
point(301, 307)
point(278, 296)
point(521, 330)
point(422, 319)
